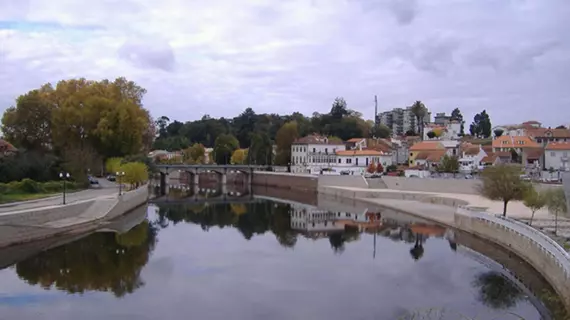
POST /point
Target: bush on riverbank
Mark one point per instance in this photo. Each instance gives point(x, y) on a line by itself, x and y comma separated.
point(28, 186)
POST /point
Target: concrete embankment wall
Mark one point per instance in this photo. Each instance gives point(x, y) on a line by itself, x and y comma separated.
point(300, 182)
point(357, 181)
point(541, 252)
point(468, 186)
point(35, 224)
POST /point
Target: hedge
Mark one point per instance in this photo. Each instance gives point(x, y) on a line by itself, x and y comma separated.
point(27, 186)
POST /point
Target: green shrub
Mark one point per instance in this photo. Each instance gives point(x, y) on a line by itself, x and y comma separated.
point(30, 186)
point(53, 186)
point(4, 188)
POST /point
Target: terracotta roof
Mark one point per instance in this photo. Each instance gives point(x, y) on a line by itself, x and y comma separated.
point(558, 146)
point(366, 152)
point(354, 140)
point(546, 132)
point(427, 146)
point(487, 149)
point(316, 139)
point(6, 146)
point(532, 122)
point(490, 158)
point(380, 147)
point(435, 156)
point(422, 155)
point(428, 230)
point(514, 142)
point(534, 154)
point(470, 149)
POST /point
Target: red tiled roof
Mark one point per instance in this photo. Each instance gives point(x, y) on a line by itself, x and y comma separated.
point(534, 154)
point(316, 139)
point(514, 142)
point(546, 132)
point(558, 146)
point(427, 146)
point(490, 158)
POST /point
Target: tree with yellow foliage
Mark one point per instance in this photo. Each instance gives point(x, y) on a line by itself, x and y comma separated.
point(239, 156)
point(112, 165)
point(136, 173)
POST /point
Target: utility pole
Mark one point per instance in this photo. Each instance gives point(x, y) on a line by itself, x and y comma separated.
point(375, 111)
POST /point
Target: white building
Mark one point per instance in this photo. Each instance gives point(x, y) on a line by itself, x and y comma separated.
point(470, 160)
point(557, 156)
point(451, 147)
point(401, 120)
point(312, 153)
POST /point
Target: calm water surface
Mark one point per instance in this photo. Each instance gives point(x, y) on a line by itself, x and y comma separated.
point(256, 261)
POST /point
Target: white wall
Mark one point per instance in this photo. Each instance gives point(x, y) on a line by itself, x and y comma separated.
point(553, 158)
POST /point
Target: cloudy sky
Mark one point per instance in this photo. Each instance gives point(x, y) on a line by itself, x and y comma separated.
point(218, 57)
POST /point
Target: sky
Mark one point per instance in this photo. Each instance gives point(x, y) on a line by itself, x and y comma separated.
point(218, 57)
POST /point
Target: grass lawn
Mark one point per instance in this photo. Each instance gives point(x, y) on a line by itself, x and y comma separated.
point(7, 198)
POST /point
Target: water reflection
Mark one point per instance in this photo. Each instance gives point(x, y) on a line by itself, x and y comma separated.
point(99, 262)
point(417, 260)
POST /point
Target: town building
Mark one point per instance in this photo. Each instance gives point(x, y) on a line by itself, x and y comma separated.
point(471, 158)
point(520, 144)
point(313, 153)
point(425, 147)
point(401, 120)
point(557, 156)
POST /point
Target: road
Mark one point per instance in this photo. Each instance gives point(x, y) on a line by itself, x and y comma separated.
point(107, 189)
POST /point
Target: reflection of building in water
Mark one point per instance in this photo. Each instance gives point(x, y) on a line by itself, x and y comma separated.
point(313, 220)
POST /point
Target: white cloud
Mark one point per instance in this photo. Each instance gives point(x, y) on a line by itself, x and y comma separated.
point(220, 56)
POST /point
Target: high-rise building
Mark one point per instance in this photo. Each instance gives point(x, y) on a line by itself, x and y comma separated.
point(401, 120)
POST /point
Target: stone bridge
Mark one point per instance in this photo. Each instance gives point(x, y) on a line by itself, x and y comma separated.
point(195, 170)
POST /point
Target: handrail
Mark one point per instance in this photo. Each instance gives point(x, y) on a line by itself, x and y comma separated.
point(532, 234)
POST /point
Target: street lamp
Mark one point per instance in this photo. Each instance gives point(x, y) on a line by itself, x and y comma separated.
point(119, 174)
point(64, 176)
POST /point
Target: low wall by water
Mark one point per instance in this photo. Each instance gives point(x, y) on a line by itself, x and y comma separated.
point(356, 181)
point(439, 185)
point(300, 182)
point(78, 217)
point(541, 252)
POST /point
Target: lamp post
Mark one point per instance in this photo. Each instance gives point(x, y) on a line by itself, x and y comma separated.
point(119, 175)
point(64, 176)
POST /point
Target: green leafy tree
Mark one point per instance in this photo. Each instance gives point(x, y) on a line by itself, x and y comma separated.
point(449, 164)
point(260, 151)
point(224, 147)
point(534, 200)
point(498, 132)
point(112, 165)
point(431, 134)
point(195, 154)
point(556, 204)
point(419, 110)
point(284, 139)
point(503, 183)
point(481, 125)
point(381, 131)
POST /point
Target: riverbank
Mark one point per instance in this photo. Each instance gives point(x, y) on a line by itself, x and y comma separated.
point(35, 221)
point(18, 197)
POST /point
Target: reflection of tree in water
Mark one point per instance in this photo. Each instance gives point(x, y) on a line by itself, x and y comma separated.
point(417, 251)
point(496, 292)
point(338, 239)
point(98, 262)
point(250, 219)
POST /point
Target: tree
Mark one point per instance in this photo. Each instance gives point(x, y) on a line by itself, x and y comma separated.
point(481, 126)
point(381, 131)
point(498, 132)
point(339, 108)
point(410, 133)
point(224, 147)
point(195, 154)
point(557, 204)
point(260, 151)
point(379, 168)
point(417, 251)
point(431, 134)
point(371, 167)
point(502, 182)
point(438, 132)
point(419, 110)
point(561, 127)
point(112, 165)
point(136, 173)
point(449, 164)
point(533, 200)
point(239, 156)
point(285, 137)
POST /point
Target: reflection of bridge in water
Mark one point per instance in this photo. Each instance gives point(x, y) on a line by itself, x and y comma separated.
point(195, 194)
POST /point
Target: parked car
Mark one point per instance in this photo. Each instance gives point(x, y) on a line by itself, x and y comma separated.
point(111, 177)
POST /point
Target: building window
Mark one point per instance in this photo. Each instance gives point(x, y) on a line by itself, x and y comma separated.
point(349, 160)
point(314, 149)
point(356, 161)
point(326, 150)
point(552, 154)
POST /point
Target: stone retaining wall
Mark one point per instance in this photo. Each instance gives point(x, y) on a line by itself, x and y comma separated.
point(35, 224)
point(541, 252)
point(300, 182)
point(356, 181)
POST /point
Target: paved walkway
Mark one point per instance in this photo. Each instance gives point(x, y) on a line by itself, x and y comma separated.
point(106, 189)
